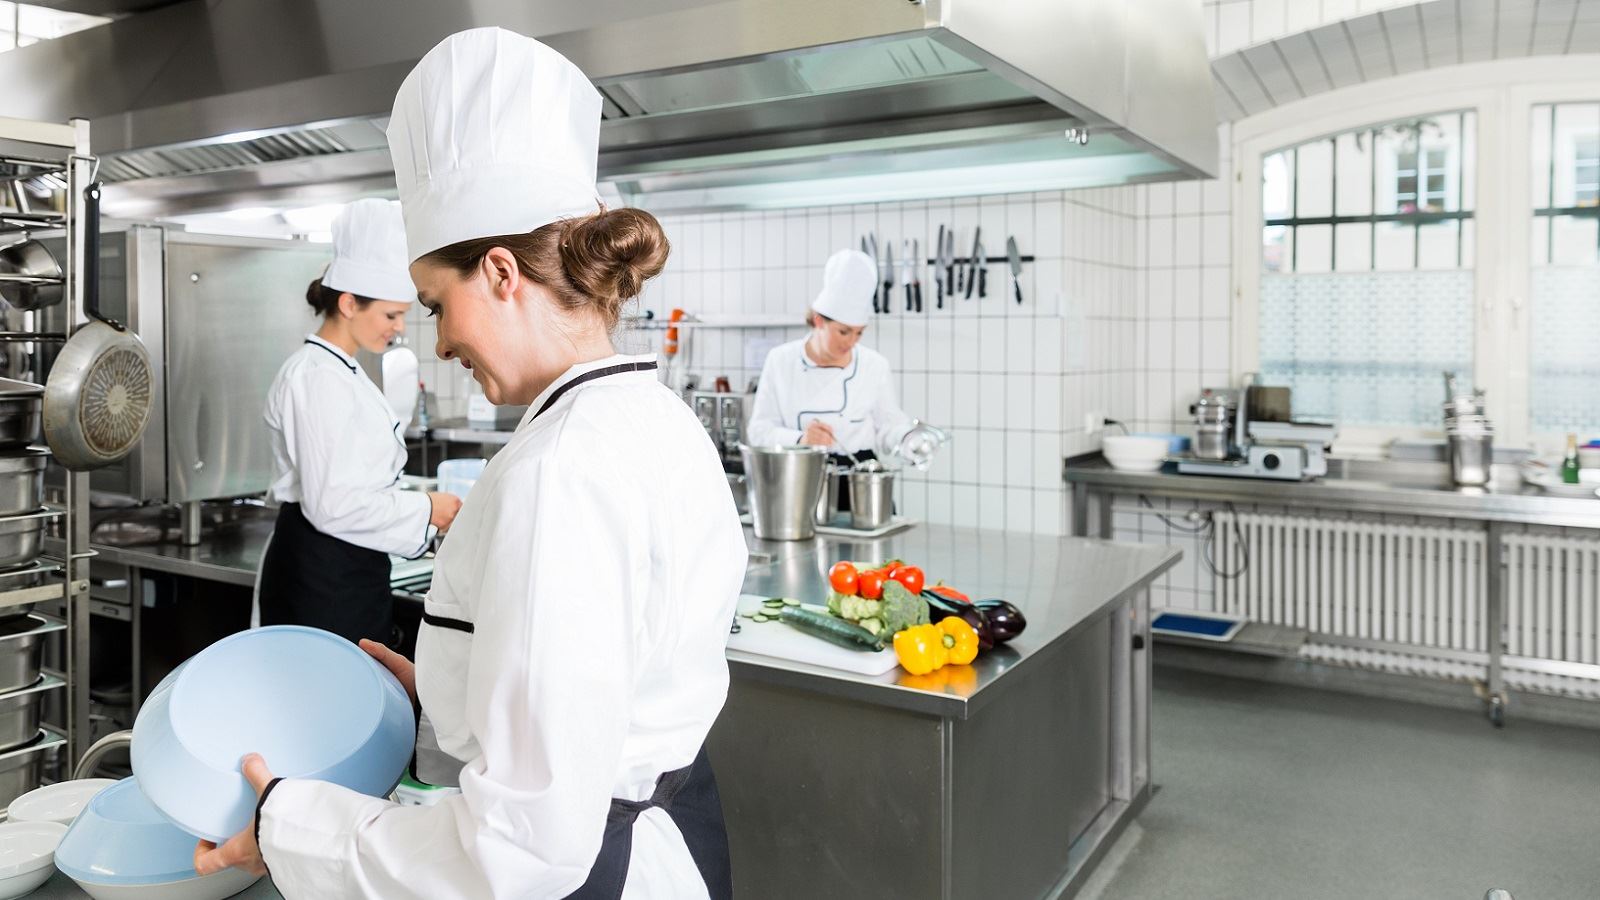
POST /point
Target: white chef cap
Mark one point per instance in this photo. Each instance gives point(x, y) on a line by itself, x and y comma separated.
point(492, 133)
point(849, 281)
point(369, 253)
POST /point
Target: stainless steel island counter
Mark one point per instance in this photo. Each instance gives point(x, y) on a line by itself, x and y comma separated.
point(1007, 779)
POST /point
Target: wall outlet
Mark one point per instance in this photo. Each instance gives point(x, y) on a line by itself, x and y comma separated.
point(1093, 422)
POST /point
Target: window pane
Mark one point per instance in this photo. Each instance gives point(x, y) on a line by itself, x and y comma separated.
point(1353, 247)
point(1313, 249)
point(1564, 384)
point(1277, 180)
point(1314, 180)
point(1355, 174)
point(1277, 248)
point(1438, 245)
point(1394, 246)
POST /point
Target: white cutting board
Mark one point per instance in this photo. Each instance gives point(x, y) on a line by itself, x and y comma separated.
point(778, 640)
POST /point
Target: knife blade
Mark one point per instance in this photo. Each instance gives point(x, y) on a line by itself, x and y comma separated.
point(949, 262)
point(888, 275)
point(972, 263)
point(873, 240)
point(982, 257)
point(938, 269)
point(1015, 258)
point(916, 272)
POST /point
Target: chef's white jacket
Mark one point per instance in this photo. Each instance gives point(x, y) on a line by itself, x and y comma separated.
point(598, 561)
point(338, 451)
point(856, 400)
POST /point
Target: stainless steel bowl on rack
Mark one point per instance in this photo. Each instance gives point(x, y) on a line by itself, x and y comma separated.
point(21, 412)
point(21, 768)
point(21, 538)
point(22, 711)
point(22, 481)
point(22, 649)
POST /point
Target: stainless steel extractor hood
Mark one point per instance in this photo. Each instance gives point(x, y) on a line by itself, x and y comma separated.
point(719, 104)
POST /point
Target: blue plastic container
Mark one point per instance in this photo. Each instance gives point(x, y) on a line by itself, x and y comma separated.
point(311, 703)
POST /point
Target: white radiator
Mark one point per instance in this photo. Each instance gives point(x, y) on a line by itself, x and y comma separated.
point(1552, 597)
point(1405, 584)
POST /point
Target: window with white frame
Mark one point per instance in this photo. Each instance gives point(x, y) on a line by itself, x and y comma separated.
point(1564, 376)
point(1366, 285)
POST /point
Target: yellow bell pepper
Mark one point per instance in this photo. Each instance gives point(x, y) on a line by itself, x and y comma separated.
point(921, 649)
point(960, 640)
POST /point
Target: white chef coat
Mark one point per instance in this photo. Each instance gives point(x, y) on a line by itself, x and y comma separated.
point(856, 400)
point(599, 562)
point(337, 450)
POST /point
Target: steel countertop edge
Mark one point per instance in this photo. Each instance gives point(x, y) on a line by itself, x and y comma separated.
point(1378, 486)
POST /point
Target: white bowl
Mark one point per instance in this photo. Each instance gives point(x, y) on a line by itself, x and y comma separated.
point(215, 886)
point(1134, 453)
point(60, 802)
point(27, 856)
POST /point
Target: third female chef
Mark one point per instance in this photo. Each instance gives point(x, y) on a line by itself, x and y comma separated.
point(573, 651)
point(825, 389)
point(338, 449)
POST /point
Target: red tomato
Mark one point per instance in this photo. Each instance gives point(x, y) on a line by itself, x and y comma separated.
point(871, 585)
point(910, 576)
point(843, 577)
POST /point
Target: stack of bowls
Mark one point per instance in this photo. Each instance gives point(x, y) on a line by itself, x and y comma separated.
point(27, 851)
point(1135, 453)
point(121, 848)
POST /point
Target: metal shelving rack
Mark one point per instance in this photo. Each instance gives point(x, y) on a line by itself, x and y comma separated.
point(57, 154)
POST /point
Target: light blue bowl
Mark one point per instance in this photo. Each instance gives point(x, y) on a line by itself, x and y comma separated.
point(1176, 443)
point(311, 703)
point(119, 838)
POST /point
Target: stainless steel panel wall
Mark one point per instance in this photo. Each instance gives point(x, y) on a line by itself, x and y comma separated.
point(235, 311)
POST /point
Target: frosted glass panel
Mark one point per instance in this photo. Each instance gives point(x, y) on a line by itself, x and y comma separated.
point(1366, 349)
point(1566, 342)
point(1564, 348)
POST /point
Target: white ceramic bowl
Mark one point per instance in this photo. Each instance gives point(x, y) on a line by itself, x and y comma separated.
point(1134, 453)
point(27, 856)
point(60, 802)
point(209, 887)
point(311, 703)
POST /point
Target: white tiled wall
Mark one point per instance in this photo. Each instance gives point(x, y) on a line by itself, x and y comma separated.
point(1234, 24)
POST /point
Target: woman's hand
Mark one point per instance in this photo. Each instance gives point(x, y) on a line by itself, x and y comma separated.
point(402, 668)
point(445, 507)
point(818, 434)
point(240, 851)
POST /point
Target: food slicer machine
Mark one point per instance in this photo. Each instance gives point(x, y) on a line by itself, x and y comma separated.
point(1289, 451)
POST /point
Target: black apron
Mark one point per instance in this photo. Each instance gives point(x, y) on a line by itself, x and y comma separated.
point(689, 796)
point(310, 578)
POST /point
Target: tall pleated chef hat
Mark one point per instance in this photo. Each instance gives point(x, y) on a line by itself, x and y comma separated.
point(369, 253)
point(492, 133)
point(849, 281)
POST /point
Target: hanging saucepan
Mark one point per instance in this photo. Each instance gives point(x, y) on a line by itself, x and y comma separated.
point(98, 396)
point(30, 277)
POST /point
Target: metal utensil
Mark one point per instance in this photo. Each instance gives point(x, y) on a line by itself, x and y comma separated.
point(980, 258)
point(30, 277)
point(972, 261)
point(21, 406)
point(97, 399)
point(871, 241)
point(888, 275)
point(1015, 258)
point(784, 482)
point(905, 271)
point(949, 251)
point(916, 272)
point(871, 497)
point(938, 270)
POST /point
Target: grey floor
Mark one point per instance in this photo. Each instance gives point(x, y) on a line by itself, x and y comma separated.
point(1282, 792)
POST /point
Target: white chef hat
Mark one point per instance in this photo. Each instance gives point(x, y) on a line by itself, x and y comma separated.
point(492, 133)
point(849, 281)
point(369, 253)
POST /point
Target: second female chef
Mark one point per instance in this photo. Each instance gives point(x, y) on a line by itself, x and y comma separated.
point(337, 447)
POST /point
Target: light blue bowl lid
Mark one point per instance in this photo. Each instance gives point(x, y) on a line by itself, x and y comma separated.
point(120, 838)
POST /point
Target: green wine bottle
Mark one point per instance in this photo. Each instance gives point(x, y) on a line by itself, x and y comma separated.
point(1569, 466)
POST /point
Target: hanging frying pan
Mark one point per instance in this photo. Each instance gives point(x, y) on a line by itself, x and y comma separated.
point(97, 399)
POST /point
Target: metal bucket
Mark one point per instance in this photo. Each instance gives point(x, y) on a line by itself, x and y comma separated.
point(828, 496)
point(784, 483)
point(871, 498)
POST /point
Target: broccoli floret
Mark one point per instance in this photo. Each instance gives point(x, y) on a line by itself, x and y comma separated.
point(857, 608)
point(901, 608)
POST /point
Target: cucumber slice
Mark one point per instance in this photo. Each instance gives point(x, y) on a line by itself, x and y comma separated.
point(790, 601)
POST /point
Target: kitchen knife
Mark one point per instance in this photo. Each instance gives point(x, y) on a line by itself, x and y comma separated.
point(872, 241)
point(938, 269)
point(916, 272)
point(972, 263)
point(982, 261)
point(1015, 259)
point(905, 270)
point(948, 252)
point(888, 275)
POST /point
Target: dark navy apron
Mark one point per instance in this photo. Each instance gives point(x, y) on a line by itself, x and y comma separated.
point(315, 579)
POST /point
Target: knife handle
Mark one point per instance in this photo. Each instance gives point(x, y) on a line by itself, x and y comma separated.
point(983, 281)
point(908, 298)
point(1018, 286)
point(917, 290)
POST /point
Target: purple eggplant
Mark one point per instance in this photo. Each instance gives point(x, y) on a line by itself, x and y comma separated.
point(1005, 620)
point(943, 608)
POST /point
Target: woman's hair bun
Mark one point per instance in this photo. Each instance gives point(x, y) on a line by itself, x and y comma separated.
point(610, 255)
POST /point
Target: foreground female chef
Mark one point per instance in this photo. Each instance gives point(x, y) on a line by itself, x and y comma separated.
point(337, 447)
point(573, 651)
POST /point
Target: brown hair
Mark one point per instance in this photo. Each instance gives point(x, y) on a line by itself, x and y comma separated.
point(325, 300)
point(596, 262)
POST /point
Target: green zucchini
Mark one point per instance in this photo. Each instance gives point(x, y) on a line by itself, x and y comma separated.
point(829, 628)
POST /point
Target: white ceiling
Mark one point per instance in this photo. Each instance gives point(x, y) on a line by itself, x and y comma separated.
point(1396, 41)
